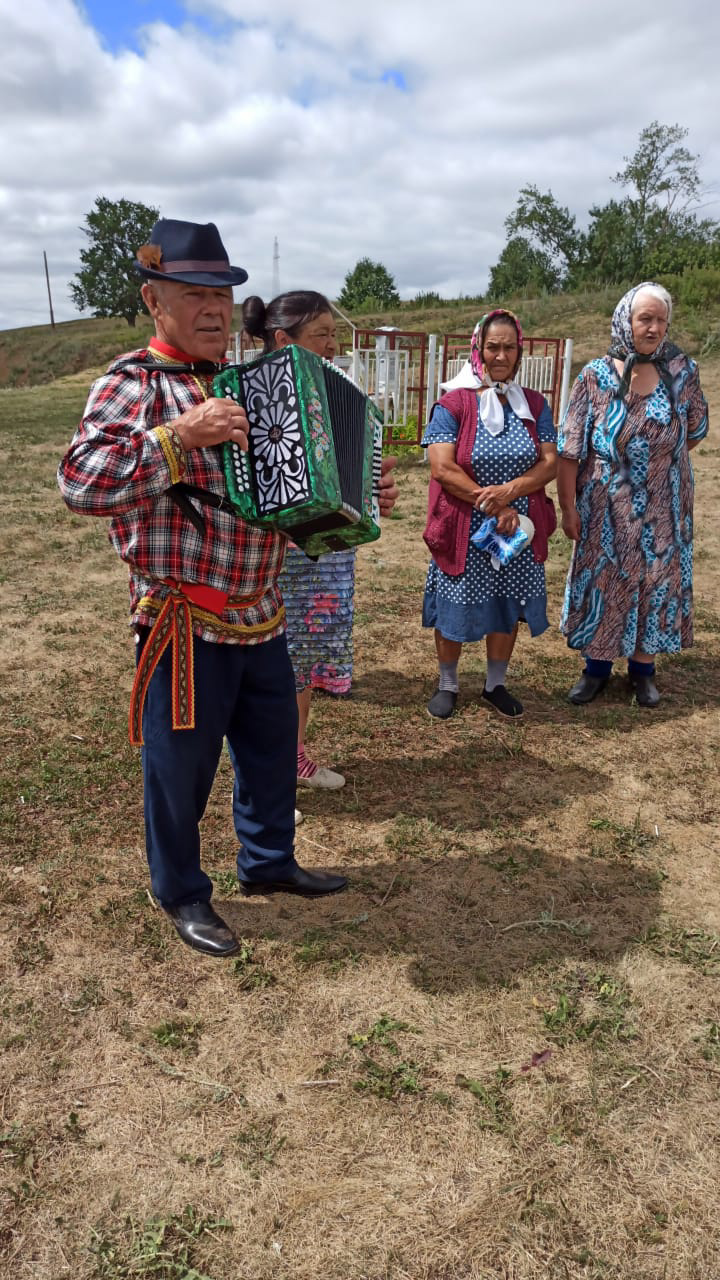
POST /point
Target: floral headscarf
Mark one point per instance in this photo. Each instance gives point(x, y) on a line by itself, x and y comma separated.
point(474, 375)
point(478, 338)
point(622, 346)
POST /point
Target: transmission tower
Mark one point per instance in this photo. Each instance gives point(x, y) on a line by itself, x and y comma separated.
point(276, 269)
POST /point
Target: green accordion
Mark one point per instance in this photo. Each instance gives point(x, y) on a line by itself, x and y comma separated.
point(312, 469)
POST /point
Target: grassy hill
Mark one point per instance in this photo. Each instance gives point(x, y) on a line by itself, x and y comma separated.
point(40, 354)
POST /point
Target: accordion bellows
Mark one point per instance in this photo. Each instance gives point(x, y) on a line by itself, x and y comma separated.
point(312, 468)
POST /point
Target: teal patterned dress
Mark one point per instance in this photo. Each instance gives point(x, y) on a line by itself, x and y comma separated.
point(629, 587)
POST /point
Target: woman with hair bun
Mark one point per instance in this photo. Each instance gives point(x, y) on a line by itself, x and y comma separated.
point(318, 594)
point(625, 485)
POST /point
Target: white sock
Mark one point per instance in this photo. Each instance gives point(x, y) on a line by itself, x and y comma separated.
point(496, 672)
point(448, 677)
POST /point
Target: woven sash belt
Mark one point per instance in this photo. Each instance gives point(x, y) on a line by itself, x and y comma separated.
point(173, 625)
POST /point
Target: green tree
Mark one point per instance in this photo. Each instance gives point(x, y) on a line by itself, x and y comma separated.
point(613, 252)
point(552, 229)
point(108, 284)
point(686, 244)
point(662, 174)
point(369, 285)
point(664, 183)
point(522, 269)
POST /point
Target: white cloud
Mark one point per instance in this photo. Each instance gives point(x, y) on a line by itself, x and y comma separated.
point(281, 124)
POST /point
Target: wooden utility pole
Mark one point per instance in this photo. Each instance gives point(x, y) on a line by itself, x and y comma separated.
point(47, 279)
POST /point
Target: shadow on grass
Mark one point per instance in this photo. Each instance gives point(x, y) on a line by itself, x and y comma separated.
point(472, 786)
point(462, 922)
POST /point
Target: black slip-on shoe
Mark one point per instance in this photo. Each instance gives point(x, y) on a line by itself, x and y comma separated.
point(503, 702)
point(200, 926)
point(308, 884)
point(442, 704)
point(587, 688)
point(646, 691)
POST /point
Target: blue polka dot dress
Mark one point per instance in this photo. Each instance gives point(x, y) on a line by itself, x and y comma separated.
point(483, 599)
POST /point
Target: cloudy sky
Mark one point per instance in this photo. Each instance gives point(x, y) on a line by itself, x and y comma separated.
point(397, 129)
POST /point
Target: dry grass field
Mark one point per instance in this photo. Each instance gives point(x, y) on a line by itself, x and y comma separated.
point(497, 1055)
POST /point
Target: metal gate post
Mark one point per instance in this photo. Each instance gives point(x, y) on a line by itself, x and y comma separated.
point(432, 362)
point(431, 376)
point(565, 385)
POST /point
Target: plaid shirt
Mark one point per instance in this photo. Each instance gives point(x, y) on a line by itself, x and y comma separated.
point(124, 456)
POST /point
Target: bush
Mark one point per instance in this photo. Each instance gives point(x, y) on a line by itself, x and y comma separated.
point(429, 299)
point(696, 289)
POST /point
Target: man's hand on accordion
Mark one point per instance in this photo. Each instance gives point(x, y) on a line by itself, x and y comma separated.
point(388, 491)
point(212, 422)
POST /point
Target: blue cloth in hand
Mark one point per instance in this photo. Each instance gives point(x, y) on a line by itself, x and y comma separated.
point(501, 547)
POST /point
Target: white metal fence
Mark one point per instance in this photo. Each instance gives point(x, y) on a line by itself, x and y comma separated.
point(392, 377)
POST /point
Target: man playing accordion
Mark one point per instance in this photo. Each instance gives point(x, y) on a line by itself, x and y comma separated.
point(205, 606)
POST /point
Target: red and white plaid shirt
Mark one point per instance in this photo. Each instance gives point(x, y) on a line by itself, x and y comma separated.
point(124, 456)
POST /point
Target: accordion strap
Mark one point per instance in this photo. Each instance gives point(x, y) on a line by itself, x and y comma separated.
point(206, 368)
point(181, 493)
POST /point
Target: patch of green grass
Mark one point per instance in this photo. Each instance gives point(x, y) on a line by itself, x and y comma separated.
point(379, 1033)
point(251, 974)
point(626, 841)
point(180, 1033)
point(590, 1007)
point(313, 947)
point(710, 1042)
point(89, 996)
point(121, 910)
point(17, 1145)
point(388, 1080)
point(492, 1097)
point(417, 837)
point(164, 1246)
point(694, 947)
point(325, 946)
point(30, 953)
point(74, 1128)
point(258, 1145)
point(226, 882)
point(515, 865)
point(152, 937)
point(384, 1073)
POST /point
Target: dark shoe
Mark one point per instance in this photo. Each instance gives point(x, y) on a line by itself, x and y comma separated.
point(309, 884)
point(202, 928)
point(587, 688)
point(442, 704)
point(503, 702)
point(646, 691)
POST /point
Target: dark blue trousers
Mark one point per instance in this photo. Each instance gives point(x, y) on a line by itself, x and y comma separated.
point(245, 693)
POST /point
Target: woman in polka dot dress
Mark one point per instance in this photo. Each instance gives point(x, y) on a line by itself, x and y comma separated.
point(491, 447)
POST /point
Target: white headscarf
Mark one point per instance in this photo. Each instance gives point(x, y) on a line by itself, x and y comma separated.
point(491, 409)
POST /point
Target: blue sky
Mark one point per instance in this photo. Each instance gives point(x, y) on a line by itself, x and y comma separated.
point(119, 21)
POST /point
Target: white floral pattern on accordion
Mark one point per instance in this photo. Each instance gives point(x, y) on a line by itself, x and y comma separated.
point(277, 441)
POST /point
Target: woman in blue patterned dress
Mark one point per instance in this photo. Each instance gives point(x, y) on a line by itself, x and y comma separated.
point(625, 485)
point(318, 594)
point(489, 451)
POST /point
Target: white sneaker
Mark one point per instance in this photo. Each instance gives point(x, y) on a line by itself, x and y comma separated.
point(298, 817)
point(323, 779)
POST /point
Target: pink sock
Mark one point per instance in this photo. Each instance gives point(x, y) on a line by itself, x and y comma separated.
point(306, 768)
